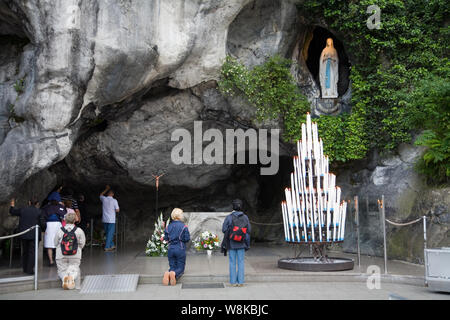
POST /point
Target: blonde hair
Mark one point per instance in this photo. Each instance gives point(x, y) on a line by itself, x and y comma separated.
point(70, 217)
point(177, 214)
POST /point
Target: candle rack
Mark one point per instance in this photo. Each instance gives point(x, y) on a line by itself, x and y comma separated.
point(313, 213)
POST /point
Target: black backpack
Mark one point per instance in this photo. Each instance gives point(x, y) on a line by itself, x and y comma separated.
point(69, 242)
point(238, 228)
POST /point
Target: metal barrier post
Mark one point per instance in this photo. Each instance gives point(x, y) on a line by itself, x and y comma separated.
point(383, 215)
point(425, 247)
point(92, 231)
point(425, 232)
point(36, 251)
point(123, 230)
point(116, 227)
point(357, 231)
point(11, 249)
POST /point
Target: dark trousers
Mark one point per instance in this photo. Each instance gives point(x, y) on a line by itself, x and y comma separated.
point(28, 256)
point(177, 261)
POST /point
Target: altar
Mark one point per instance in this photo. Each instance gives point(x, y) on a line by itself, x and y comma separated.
point(199, 222)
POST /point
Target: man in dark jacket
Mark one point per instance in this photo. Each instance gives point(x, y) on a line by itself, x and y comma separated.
point(28, 217)
point(236, 228)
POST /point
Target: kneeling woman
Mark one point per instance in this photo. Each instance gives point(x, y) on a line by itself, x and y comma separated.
point(177, 234)
point(68, 262)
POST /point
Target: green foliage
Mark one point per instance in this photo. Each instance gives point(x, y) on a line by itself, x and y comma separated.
point(271, 88)
point(389, 67)
point(436, 160)
point(19, 86)
point(431, 109)
point(399, 81)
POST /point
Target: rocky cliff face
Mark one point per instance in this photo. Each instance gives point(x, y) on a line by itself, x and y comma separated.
point(407, 197)
point(90, 92)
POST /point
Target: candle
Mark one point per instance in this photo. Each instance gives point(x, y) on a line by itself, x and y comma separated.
point(283, 210)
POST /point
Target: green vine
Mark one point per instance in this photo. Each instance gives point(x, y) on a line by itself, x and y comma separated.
point(399, 72)
point(399, 80)
point(271, 89)
point(19, 86)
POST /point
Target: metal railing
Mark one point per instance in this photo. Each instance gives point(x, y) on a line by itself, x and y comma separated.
point(383, 220)
point(36, 250)
point(381, 207)
point(119, 234)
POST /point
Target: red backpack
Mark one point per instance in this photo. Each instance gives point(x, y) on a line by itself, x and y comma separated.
point(69, 242)
point(239, 228)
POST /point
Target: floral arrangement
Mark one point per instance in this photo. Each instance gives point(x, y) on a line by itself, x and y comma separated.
point(157, 246)
point(207, 241)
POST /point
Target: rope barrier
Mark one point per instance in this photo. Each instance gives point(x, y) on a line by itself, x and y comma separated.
point(405, 223)
point(266, 224)
point(17, 234)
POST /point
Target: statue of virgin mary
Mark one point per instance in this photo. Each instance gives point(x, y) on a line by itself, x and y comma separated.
point(328, 70)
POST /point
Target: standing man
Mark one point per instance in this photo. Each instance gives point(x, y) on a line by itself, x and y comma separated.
point(28, 217)
point(237, 228)
point(110, 207)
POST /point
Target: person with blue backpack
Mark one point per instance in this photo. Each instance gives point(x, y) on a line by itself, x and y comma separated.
point(177, 234)
point(236, 229)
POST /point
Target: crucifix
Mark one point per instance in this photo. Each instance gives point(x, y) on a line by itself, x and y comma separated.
point(157, 188)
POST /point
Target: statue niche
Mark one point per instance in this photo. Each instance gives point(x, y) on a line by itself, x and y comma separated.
point(329, 71)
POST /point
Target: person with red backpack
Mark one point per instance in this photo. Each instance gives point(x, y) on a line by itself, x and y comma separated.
point(69, 242)
point(236, 229)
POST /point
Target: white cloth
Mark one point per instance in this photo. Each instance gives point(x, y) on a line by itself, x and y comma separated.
point(110, 205)
point(50, 233)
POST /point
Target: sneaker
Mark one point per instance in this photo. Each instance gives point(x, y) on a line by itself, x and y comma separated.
point(165, 280)
point(173, 280)
point(65, 283)
point(234, 284)
point(71, 283)
point(240, 285)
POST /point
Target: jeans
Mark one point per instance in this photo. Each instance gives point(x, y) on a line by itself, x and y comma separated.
point(236, 256)
point(177, 261)
point(110, 228)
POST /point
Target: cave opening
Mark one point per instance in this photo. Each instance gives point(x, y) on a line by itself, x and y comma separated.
point(261, 195)
point(316, 45)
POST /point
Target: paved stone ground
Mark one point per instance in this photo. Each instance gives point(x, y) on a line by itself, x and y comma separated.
point(260, 259)
point(261, 266)
point(251, 291)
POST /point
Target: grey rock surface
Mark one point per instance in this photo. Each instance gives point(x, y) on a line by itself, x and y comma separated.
point(407, 197)
point(90, 92)
point(199, 222)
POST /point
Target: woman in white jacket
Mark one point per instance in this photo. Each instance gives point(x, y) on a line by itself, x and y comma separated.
point(69, 265)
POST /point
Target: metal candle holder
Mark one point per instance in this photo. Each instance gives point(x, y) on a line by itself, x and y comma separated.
point(313, 212)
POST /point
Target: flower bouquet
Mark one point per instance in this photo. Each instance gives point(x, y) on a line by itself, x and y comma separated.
point(157, 246)
point(207, 241)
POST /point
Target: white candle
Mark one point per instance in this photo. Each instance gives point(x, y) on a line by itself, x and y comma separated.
point(283, 210)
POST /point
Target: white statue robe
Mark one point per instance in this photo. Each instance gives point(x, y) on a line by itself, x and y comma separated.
point(329, 78)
